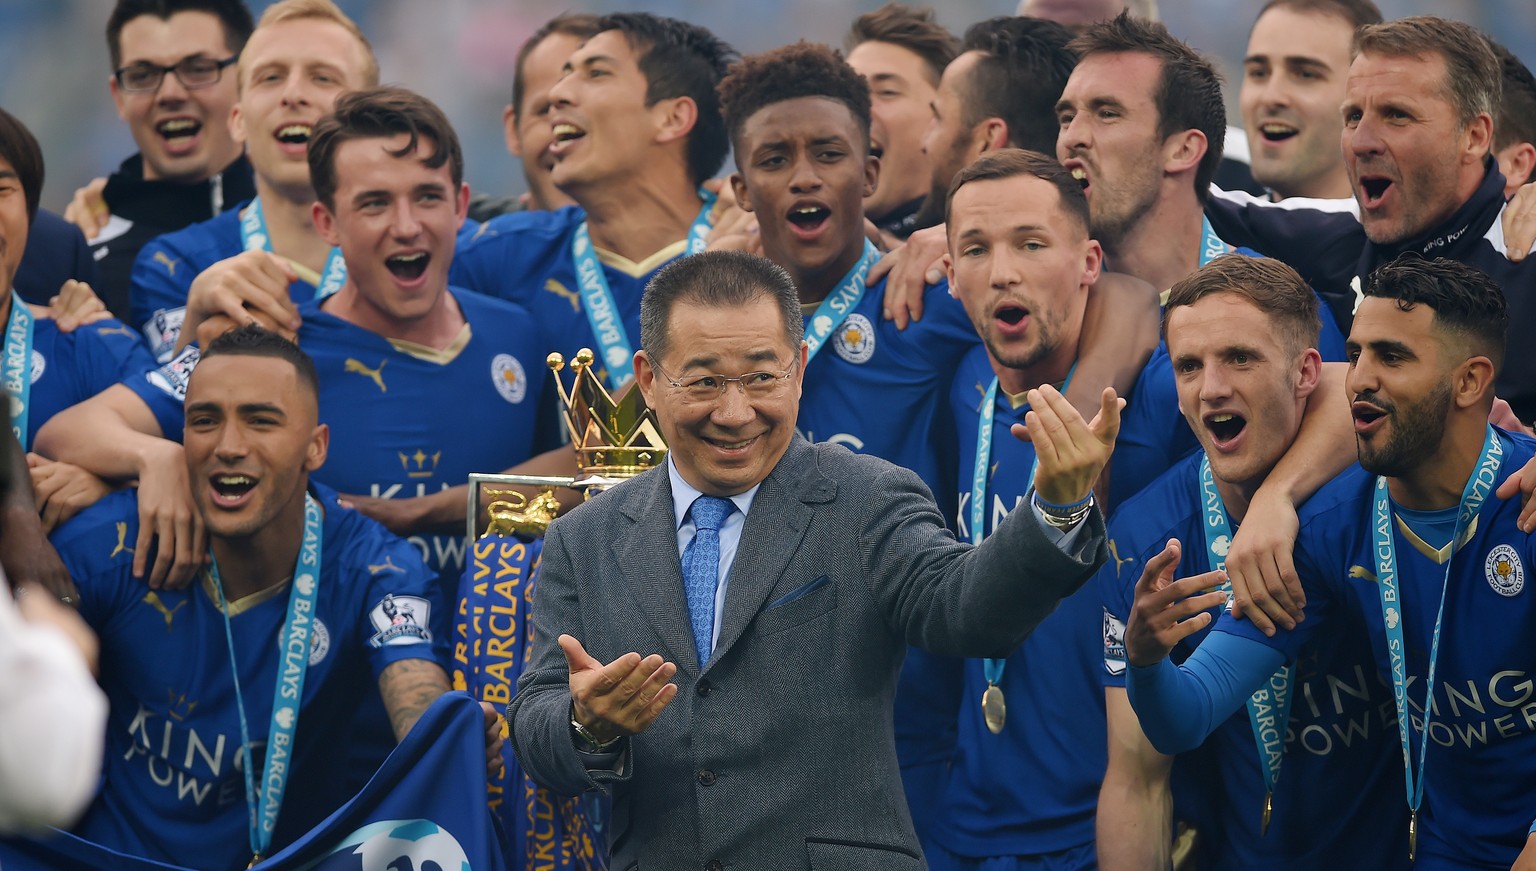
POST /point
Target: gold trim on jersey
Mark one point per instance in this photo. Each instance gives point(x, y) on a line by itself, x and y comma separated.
point(1438, 554)
point(244, 603)
point(645, 267)
point(433, 355)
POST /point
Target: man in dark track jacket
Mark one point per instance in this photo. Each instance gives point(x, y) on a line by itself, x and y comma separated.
point(1418, 128)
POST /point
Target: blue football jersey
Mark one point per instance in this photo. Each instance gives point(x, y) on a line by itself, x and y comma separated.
point(878, 390)
point(174, 787)
point(1480, 767)
point(68, 368)
point(1340, 731)
point(405, 421)
point(525, 258)
point(163, 273)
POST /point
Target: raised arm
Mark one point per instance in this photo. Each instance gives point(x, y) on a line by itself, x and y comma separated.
point(115, 436)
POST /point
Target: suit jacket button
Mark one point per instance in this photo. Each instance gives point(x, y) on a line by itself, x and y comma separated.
point(707, 777)
point(714, 865)
point(702, 688)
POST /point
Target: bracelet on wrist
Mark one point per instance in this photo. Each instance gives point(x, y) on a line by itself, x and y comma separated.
point(1065, 521)
point(1059, 510)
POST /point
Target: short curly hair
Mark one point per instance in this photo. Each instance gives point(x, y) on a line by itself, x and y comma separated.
point(803, 69)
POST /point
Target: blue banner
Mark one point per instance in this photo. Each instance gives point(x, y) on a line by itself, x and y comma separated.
point(420, 808)
point(492, 642)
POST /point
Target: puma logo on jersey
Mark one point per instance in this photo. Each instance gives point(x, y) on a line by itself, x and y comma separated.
point(388, 564)
point(153, 600)
point(1114, 551)
point(376, 375)
point(122, 540)
point(1361, 573)
point(561, 290)
point(168, 261)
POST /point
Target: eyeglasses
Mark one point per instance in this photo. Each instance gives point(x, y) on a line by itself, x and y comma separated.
point(192, 72)
point(700, 389)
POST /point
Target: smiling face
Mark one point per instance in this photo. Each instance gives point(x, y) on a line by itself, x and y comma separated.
point(1021, 265)
point(599, 121)
point(252, 438)
point(729, 445)
point(395, 220)
point(805, 171)
point(1109, 138)
point(900, 93)
point(183, 133)
point(528, 130)
point(1399, 385)
point(1241, 389)
point(1293, 83)
point(1408, 157)
point(291, 73)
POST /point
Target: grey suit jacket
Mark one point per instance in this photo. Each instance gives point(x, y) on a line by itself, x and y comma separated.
point(780, 753)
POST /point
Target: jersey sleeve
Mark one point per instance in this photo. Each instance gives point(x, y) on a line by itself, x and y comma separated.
point(164, 389)
point(401, 594)
point(482, 265)
point(160, 281)
point(1179, 705)
point(111, 352)
point(1289, 641)
point(96, 547)
point(1320, 239)
point(952, 332)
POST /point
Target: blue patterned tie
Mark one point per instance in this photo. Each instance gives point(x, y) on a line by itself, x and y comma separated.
point(701, 569)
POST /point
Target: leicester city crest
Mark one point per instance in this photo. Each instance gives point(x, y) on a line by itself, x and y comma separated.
point(510, 379)
point(855, 339)
point(1505, 574)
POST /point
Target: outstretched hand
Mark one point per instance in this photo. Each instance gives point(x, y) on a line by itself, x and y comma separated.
point(621, 698)
point(1166, 611)
point(1070, 452)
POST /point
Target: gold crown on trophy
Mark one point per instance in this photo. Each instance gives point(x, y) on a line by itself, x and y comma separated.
point(614, 439)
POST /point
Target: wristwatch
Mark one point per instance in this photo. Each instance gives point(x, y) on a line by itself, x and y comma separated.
point(587, 742)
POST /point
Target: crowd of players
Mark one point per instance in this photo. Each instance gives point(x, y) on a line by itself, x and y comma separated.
point(965, 219)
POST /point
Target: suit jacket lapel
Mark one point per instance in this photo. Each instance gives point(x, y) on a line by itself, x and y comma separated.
point(647, 554)
point(775, 526)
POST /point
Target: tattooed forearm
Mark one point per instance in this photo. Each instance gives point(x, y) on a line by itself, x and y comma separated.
point(408, 688)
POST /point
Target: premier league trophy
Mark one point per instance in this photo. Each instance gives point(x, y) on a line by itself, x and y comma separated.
point(614, 439)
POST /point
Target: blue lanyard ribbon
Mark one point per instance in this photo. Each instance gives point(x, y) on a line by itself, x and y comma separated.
point(1269, 708)
point(289, 693)
point(254, 237)
point(839, 304)
point(1473, 495)
point(614, 348)
point(1211, 245)
point(16, 368)
point(993, 668)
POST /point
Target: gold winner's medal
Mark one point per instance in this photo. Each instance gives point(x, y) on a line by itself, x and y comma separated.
point(993, 709)
point(1269, 806)
point(1413, 834)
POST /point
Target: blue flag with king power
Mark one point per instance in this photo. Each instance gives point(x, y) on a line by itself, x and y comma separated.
point(492, 641)
point(421, 810)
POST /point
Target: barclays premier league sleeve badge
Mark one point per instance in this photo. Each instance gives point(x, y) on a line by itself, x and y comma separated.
point(401, 620)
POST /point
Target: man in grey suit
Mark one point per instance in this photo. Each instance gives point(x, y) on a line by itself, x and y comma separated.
point(774, 584)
